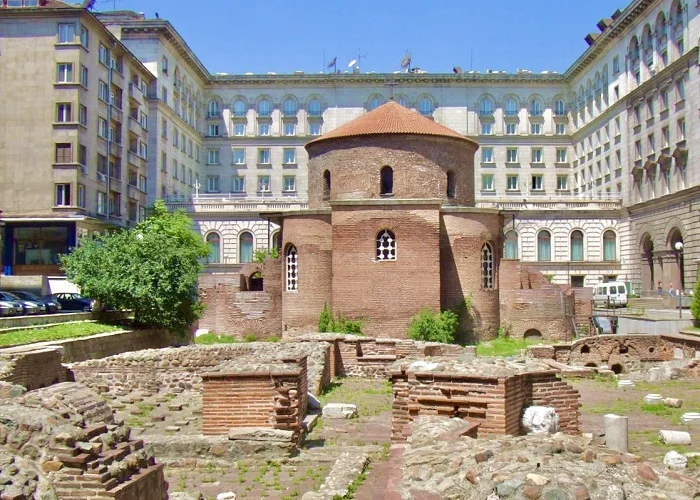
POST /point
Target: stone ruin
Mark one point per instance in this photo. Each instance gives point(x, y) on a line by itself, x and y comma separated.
point(63, 442)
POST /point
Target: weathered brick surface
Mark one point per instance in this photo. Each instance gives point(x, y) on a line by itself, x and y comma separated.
point(32, 367)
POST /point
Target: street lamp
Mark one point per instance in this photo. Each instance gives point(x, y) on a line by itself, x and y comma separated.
point(679, 248)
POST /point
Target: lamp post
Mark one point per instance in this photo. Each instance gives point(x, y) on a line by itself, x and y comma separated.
point(679, 248)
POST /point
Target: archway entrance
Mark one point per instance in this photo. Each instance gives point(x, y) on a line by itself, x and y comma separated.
point(647, 263)
point(676, 271)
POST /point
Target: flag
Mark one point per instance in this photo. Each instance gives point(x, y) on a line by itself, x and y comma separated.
point(332, 63)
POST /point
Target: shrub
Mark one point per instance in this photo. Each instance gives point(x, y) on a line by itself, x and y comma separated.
point(695, 304)
point(431, 326)
point(327, 323)
point(259, 256)
point(325, 320)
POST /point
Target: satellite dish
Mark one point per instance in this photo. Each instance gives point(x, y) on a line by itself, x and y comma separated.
point(457, 70)
point(352, 63)
point(406, 61)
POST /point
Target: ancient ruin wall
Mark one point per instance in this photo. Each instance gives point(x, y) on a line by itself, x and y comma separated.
point(32, 367)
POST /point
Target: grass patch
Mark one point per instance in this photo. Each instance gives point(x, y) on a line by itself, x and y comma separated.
point(372, 397)
point(62, 331)
point(622, 407)
point(503, 346)
point(215, 338)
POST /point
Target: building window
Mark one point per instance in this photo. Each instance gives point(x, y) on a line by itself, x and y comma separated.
point(84, 37)
point(486, 266)
point(102, 91)
point(616, 65)
point(487, 155)
point(240, 108)
point(386, 181)
point(511, 128)
point(511, 245)
point(66, 33)
point(84, 76)
point(562, 182)
point(314, 129)
point(451, 184)
point(512, 183)
point(290, 129)
point(663, 95)
point(214, 243)
point(544, 246)
point(81, 196)
point(101, 203)
point(163, 162)
point(63, 112)
point(609, 246)
point(64, 73)
point(239, 156)
point(536, 108)
point(212, 183)
point(245, 247)
point(536, 128)
point(486, 128)
point(82, 115)
point(561, 155)
point(486, 107)
point(292, 269)
point(264, 108)
point(238, 185)
point(512, 155)
point(290, 156)
point(164, 65)
point(487, 182)
point(63, 195)
point(425, 107)
point(213, 157)
point(537, 182)
point(264, 129)
point(665, 137)
point(213, 131)
point(560, 129)
point(386, 246)
point(239, 129)
point(511, 107)
point(264, 156)
point(576, 245)
point(289, 107)
point(263, 183)
point(374, 103)
point(559, 108)
point(536, 155)
point(681, 129)
point(326, 184)
point(214, 111)
point(290, 184)
point(64, 152)
point(315, 108)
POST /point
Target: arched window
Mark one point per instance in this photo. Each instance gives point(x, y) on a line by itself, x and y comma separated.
point(559, 107)
point(634, 58)
point(315, 108)
point(374, 102)
point(511, 245)
point(291, 269)
point(214, 109)
point(240, 108)
point(511, 107)
point(276, 239)
point(326, 184)
point(648, 44)
point(576, 245)
point(264, 108)
point(486, 107)
point(451, 184)
point(536, 108)
point(386, 181)
point(386, 245)
point(486, 266)
point(677, 20)
point(609, 245)
point(425, 107)
point(214, 242)
point(245, 247)
point(289, 107)
point(544, 246)
point(402, 101)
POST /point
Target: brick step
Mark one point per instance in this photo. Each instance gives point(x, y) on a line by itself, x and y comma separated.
point(76, 461)
point(95, 430)
point(136, 478)
point(136, 444)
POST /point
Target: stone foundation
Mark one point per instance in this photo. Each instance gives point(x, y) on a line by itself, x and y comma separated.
point(32, 367)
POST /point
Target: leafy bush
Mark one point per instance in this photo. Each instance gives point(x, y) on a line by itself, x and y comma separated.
point(259, 256)
point(327, 323)
point(431, 326)
point(695, 304)
point(325, 320)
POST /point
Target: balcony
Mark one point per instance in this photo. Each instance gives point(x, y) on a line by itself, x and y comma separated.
point(115, 149)
point(518, 201)
point(117, 114)
point(133, 192)
point(135, 93)
point(135, 126)
point(234, 203)
point(136, 160)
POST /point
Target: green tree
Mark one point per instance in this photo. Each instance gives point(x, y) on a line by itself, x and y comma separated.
point(434, 327)
point(695, 304)
point(151, 269)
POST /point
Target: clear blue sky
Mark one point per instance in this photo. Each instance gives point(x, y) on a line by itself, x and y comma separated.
point(258, 36)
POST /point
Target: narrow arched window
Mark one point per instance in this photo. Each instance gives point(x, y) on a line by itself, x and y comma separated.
point(245, 247)
point(511, 107)
point(486, 107)
point(451, 184)
point(289, 107)
point(315, 108)
point(214, 109)
point(374, 103)
point(264, 108)
point(291, 269)
point(576, 245)
point(559, 108)
point(326, 185)
point(386, 181)
point(609, 245)
point(425, 107)
point(239, 108)
point(214, 243)
point(386, 245)
point(511, 245)
point(544, 246)
point(536, 108)
point(276, 238)
point(486, 266)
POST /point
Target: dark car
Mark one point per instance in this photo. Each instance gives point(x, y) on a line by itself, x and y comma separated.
point(28, 306)
point(52, 305)
point(604, 325)
point(74, 301)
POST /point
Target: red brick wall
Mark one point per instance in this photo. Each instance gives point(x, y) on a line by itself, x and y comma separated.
point(462, 236)
point(32, 368)
point(385, 294)
point(420, 165)
point(311, 235)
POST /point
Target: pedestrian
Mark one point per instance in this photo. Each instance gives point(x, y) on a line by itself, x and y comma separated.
point(671, 290)
point(660, 289)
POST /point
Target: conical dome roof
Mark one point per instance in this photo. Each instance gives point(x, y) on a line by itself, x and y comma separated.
point(391, 118)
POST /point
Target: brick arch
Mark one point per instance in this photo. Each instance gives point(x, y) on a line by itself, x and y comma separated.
point(644, 229)
point(673, 224)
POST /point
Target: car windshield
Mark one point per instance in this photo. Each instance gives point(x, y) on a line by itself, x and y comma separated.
point(27, 296)
point(10, 296)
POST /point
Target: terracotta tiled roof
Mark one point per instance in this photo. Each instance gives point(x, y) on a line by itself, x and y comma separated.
point(391, 118)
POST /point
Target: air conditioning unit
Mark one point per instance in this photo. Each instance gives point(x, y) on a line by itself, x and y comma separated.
point(101, 177)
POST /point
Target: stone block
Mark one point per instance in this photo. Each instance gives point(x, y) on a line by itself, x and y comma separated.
point(260, 434)
point(674, 437)
point(540, 420)
point(673, 402)
point(675, 460)
point(339, 410)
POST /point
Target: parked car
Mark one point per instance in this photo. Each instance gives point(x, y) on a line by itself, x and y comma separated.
point(29, 307)
point(74, 301)
point(605, 325)
point(8, 308)
point(52, 305)
point(611, 294)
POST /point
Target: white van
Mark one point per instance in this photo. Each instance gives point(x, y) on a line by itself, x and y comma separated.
point(613, 293)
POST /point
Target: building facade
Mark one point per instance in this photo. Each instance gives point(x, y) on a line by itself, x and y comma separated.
point(594, 168)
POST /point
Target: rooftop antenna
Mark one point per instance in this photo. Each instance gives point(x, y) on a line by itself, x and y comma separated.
point(355, 64)
point(406, 62)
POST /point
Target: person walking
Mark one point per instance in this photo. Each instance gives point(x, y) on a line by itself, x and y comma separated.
point(671, 290)
point(660, 289)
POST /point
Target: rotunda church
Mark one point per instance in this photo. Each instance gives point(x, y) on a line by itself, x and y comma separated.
point(391, 229)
